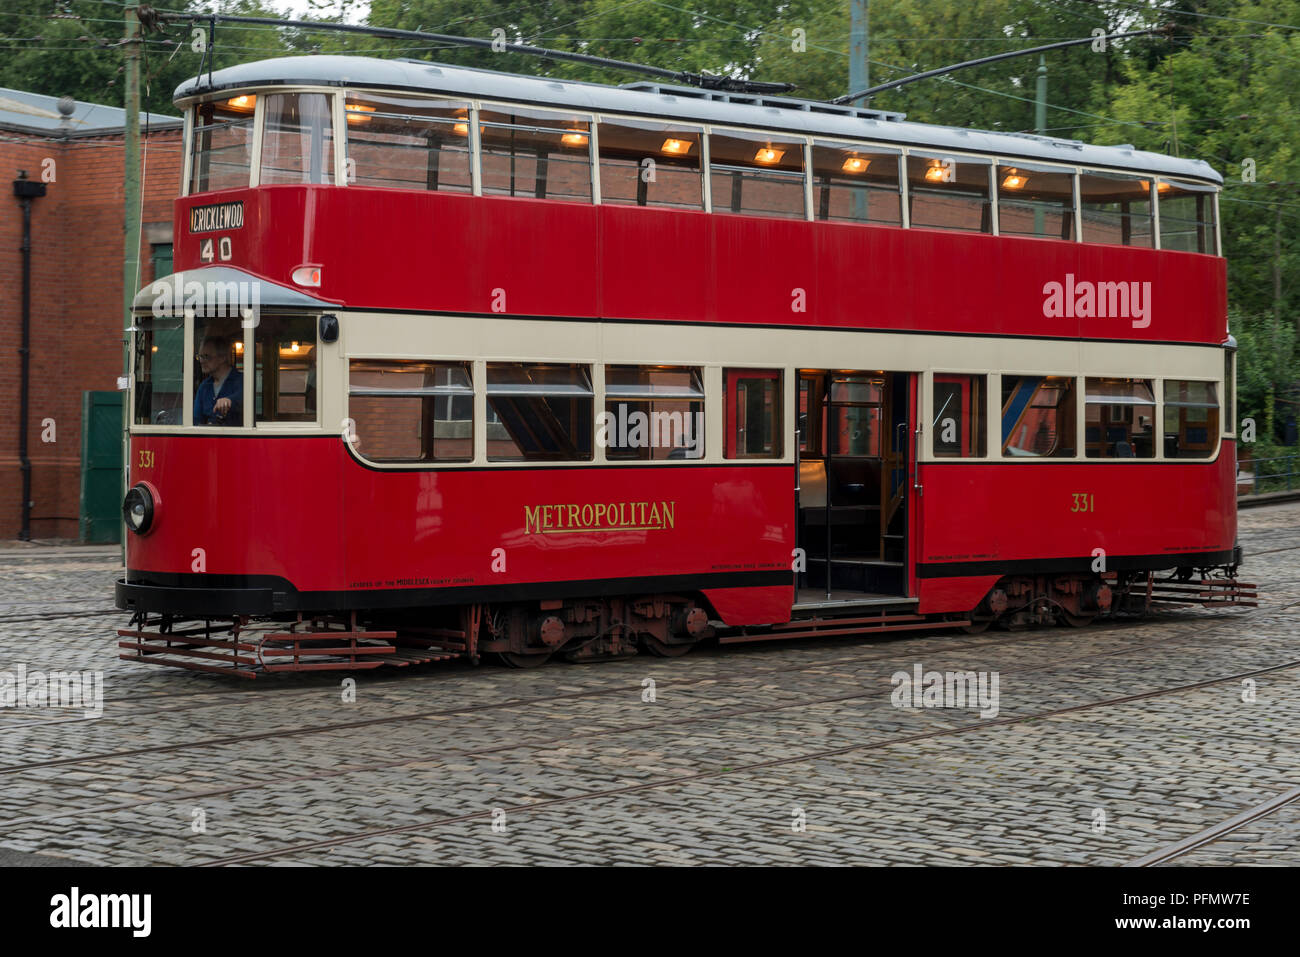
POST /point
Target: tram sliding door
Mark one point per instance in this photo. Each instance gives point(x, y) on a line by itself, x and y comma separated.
point(855, 451)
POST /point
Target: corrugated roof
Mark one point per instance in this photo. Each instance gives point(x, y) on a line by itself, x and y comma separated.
point(693, 105)
point(37, 113)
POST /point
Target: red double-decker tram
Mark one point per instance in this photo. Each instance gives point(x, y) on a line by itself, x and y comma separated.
point(458, 362)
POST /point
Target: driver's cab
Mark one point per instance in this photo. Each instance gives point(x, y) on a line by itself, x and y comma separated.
point(197, 335)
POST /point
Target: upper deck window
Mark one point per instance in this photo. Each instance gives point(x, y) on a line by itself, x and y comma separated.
point(1116, 208)
point(222, 144)
point(407, 143)
point(535, 153)
point(1186, 217)
point(858, 185)
point(1035, 201)
point(650, 164)
point(950, 192)
point(298, 143)
point(756, 174)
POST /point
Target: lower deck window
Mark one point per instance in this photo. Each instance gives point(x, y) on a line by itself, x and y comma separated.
point(753, 413)
point(1038, 416)
point(1119, 419)
point(286, 369)
point(1191, 419)
point(544, 412)
point(652, 413)
point(959, 416)
point(411, 410)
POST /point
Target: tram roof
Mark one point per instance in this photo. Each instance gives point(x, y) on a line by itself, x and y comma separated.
point(691, 104)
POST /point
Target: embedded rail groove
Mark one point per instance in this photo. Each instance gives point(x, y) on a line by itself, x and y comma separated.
point(755, 766)
point(515, 745)
point(1217, 831)
point(489, 706)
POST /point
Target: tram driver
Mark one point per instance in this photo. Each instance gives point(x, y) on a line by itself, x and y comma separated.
point(219, 399)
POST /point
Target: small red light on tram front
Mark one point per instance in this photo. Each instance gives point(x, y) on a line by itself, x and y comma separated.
point(307, 275)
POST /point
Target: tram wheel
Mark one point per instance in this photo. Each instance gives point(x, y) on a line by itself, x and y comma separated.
point(663, 649)
point(1076, 621)
point(513, 660)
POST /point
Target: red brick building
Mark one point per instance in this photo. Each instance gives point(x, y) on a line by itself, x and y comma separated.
point(76, 285)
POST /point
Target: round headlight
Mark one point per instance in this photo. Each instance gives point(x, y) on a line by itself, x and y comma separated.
point(138, 509)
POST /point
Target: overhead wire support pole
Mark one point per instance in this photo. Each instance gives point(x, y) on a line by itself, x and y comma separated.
point(702, 80)
point(131, 216)
point(966, 64)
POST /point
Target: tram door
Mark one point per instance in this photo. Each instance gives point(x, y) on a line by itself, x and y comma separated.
point(854, 441)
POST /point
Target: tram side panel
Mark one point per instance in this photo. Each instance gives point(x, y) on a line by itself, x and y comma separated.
point(983, 520)
point(501, 534)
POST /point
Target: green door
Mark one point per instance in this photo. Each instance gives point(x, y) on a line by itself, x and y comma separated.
point(101, 467)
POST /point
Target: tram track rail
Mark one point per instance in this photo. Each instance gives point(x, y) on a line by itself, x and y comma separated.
point(1218, 831)
point(1044, 634)
point(696, 776)
point(541, 744)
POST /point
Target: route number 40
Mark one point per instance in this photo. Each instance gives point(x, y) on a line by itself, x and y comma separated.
point(224, 250)
point(1083, 502)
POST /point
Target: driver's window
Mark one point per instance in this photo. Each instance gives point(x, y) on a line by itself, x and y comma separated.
point(159, 369)
point(218, 372)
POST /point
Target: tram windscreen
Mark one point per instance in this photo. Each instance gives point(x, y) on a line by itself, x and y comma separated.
point(221, 144)
point(159, 370)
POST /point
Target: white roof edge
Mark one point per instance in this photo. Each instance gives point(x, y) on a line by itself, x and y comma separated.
point(438, 78)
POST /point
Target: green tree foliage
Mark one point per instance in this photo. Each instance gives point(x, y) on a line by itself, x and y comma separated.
point(74, 48)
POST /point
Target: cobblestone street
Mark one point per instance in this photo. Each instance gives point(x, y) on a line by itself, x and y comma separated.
point(777, 752)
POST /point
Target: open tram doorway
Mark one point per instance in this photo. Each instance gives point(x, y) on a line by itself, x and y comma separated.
point(854, 455)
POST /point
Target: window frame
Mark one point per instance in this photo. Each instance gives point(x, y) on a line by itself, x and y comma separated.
point(1157, 446)
point(468, 103)
point(731, 408)
point(479, 106)
point(899, 152)
point(1218, 436)
point(929, 383)
point(756, 134)
point(701, 129)
point(1076, 386)
point(426, 457)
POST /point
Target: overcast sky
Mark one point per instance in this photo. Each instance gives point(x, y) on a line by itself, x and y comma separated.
point(302, 10)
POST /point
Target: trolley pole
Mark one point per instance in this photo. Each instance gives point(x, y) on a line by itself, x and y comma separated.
point(130, 222)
